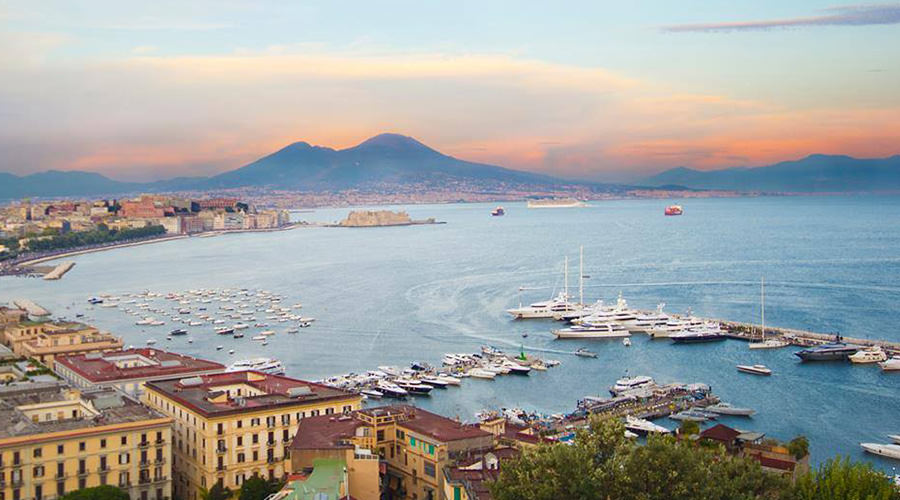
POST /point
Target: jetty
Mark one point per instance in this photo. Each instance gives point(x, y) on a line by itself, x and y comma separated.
point(801, 338)
point(31, 307)
point(59, 271)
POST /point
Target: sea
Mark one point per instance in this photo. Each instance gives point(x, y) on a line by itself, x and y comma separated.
point(394, 295)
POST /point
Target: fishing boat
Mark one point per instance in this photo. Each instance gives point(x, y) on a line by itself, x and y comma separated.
point(869, 355)
point(727, 409)
point(584, 353)
point(763, 342)
point(497, 212)
point(884, 450)
point(754, 369)
point(674, 210)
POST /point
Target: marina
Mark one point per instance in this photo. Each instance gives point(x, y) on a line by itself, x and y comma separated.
point(368, 317)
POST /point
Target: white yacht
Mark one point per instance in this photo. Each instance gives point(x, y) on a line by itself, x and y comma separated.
point(884, 450)
point(270, 366)
point(546, 309)
point(765, 343)
point(643, 427)
point(890, 365)
point(593, 331)
point(626, 384)
point(675, 325)
point(870, 355)
point(481, 373)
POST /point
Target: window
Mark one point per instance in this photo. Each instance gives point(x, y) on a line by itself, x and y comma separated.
point(124, 440)
point(38, 492)
point(428, 468)
point(159, 438)
point(81, 446)
point(329, 411)
point(380, 435)
point(38, 452)
point(240, 440)
point(401, 434)
point(240, 458)
point(82, 467)
point(256, 439)
point(124, 458)
point(240, 423)
point(38, 471)
point(103, 443)
point(103, 463)
point(60, 449)
point(61, 469)
point(61, 488)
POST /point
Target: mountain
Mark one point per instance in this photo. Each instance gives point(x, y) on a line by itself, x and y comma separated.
point(815, 173)
point(386, 159)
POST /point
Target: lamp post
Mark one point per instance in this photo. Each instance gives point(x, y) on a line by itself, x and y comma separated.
point(347, 482)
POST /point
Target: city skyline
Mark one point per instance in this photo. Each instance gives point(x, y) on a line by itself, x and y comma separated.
point(144, 92)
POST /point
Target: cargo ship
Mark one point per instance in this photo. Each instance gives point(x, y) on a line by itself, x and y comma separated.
point(674, 210)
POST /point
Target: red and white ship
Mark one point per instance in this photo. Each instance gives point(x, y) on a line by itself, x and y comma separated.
point(674, 210)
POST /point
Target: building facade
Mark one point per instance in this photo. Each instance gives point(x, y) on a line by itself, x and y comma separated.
point(232, 426)
point(58, 439)
point(46, 340)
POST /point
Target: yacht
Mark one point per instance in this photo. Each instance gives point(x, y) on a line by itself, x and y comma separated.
point(434, 382)
point(870, 355)
point(448, 379)
point(895, 438)
point(754, 369)
point(626, 384)
point(707, 333)
point(674, 326)
point(884, 450)
point(763, 342)
point(413, 386)
point(481, 373)
point(269, 366)
point(584, 353)
point(727, 409)
point(372, 393)
point(391, 390)
point(890, 365)
point(769, 344)
point(643, 427)
point(516, 368)
point(837, 351)
point(546, 309)
point(593, 331)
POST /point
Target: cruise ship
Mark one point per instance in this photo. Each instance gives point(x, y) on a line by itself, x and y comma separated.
point(555, 203)
point(269, 366)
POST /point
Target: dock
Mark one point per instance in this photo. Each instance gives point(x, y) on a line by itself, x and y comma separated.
point(59, 271)
point(31, 307)
point(801, 338)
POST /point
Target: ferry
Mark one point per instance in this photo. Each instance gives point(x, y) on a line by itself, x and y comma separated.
point(837, 351)
point(270, 366)
point(674, 210)
point(497, 212)
point(754, 369)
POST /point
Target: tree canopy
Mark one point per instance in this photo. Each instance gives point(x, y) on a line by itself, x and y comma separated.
point(602, 464)
point(106, 492)
point(257, 488)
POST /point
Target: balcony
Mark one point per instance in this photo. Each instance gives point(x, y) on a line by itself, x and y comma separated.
point(17, 482)
point(144, 480)
point(221, 449)
point(144, 445)
point(272, 460)
point(271, 442)
point(221, 468)
point(160, 442)
point(159, 461)
point(83, 473)
point(103, 468)
point(270, 425)
point(144, 463)
point(59, 476)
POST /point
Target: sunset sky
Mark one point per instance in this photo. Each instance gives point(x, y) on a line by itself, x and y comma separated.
point(604, 90)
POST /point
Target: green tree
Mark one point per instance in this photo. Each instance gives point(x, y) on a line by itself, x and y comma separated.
point(257, 488)
point(217, 492)
point(799, 447)
point(106, 492)
point(688, 428)
point(841, 479)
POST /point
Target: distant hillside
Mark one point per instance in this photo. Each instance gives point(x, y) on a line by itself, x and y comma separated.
point(815, 173)
point(383, 159)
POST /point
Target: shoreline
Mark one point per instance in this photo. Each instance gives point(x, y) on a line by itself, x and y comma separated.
point(207, 234)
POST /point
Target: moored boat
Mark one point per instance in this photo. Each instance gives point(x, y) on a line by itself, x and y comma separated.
point(837, 351)
point(727, 409)
point(867, 356)
point(884, 450)
point(891, 365)
point(754, 369)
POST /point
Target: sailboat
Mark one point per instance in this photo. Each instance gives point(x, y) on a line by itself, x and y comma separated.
point(547, 309)
point(763, 342)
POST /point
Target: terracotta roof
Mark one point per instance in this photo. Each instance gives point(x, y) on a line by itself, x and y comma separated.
point(775, 463)
point(439, 427)
point(99, 368)
point(277, 390)
point(325, 432)
point(720, 432)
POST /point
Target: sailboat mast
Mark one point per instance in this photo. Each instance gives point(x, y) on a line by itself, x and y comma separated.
point(762, 293)
point(566, 280)
point(581, 276)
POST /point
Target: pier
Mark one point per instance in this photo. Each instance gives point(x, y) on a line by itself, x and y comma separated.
point(801, 338)
point(59, 271)
point(31, 307)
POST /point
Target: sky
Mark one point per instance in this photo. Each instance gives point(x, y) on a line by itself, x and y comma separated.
point(598, 90)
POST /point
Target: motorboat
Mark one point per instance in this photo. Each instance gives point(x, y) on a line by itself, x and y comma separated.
point(836, 351)
point(434, 382)
point(241, 326)
point(481, 373)
point(516, 368)
point(884, 450)
point(238, 335)
point(869, 355)
point(643, 427)
point(258, 337)
point(151, 341)
point(626, 342)
point(674, 210)
point(584, 353)
point(497, 212)
point(895, 438)
point(890, 365)
point(593, 331)
point(178, 331)
point(754, 369)
point(266, 333)
point(727, 409)
point(626, 384)
point(269, 366)
point(413, 386)
point(491, 351)
point(224, 331)
point(390, 389)
point(448, 379)
point(372, 393)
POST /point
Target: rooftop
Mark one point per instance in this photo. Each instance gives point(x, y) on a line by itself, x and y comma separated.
point(94, 408)
point(720, 432)
point(216, 394)
point(139, 363)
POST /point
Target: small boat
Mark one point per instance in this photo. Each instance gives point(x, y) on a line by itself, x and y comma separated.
point(626, 342)
point(481, 373)
point(241, 326)
point(292, 330)
point(884, 450)
point(491, 351)
point(870, 355)
point(497, 212)
point(178, 331)
point(190, 341)
point(218, 348)
point(95, 300)
point(448, 379)
point(727, 409)
point(267, 333)
point(890, 365)
point(224, 331)
point(686, 416)
point(238, 335)
point(151, 341)
point(584, 353)
point(372, 393)
point(674, 210)
point(516, 368)
point(895, 438)
point(258, 337)
point(230, 351)
point(754, 369)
